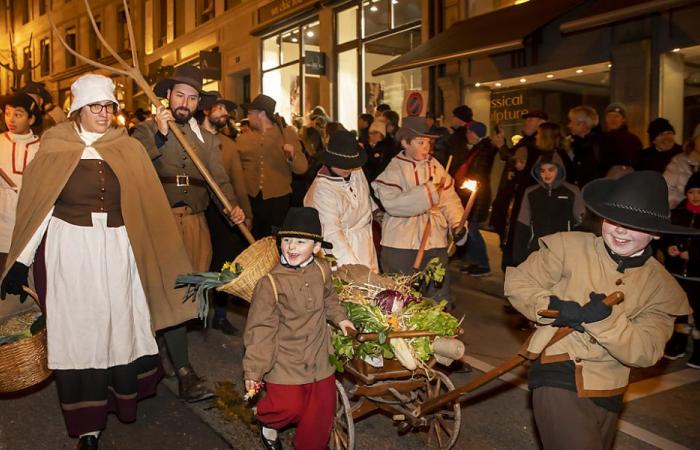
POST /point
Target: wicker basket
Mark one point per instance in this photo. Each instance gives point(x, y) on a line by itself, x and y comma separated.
point(24, 363)
point(256, 261)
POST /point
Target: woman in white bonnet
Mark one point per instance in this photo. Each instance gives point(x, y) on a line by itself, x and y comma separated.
point(94, 223)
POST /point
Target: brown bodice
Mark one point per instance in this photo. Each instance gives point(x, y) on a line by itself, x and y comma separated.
point(92, 187)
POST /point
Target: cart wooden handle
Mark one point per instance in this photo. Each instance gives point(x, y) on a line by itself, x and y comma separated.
point(364, 337)
point(506, 366)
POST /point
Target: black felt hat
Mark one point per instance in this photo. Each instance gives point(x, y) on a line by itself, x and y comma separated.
point(24, 101)
point(343, 151)
point(464, 113)
point(302, 223)
point(638, 200)
point(186, 74)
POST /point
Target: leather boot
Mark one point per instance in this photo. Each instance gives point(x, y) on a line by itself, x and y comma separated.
point(191, 387)
point(168, 367)
point(87, 443)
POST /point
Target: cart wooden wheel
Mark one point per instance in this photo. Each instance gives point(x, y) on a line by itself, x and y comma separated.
point(442, 425)
point(343, 432)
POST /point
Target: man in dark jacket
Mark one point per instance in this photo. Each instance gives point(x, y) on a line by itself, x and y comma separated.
point(585, 145)
point(620, 147)
point(663, 146)
point(462, 116)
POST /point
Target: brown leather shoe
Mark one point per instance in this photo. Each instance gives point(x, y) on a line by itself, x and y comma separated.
point(191, 387)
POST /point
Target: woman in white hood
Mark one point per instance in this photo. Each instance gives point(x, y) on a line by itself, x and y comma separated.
point(341, 195)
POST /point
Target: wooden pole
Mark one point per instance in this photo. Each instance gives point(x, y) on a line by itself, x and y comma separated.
point(426, 231)
point(506, 366)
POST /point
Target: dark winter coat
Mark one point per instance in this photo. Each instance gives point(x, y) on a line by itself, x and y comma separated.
point(681, 215)
point(457, 148)
point(378, 157)
point(620, 148)
point(546, 209)
point(652, 159)
point(480, 162)
point(587, 159)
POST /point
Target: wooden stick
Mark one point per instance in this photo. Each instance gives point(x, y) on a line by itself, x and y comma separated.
point(135, 74)
point(506, 366)
point(426, 231)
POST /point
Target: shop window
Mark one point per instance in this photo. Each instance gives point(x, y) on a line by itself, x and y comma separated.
point(289, 46)
point(27, 56)
point(405, 11)
point(283, 85)
point(389, 88)
point(25, 11)
point(43, 6)
point(271, 52)
point(376, 16)
point(71, 40)
point(346, 25)
point(162, 15)
point(205, 11)
point(348, 85)
point(45, 57)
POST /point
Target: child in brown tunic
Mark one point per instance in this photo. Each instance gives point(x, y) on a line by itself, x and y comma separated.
point(287, 340)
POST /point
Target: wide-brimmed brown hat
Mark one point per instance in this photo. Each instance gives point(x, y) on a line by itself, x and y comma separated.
point(262, 103)
point(413, 127)
point(638, 200)
point(343, 151)
point(212, 98)
point(186, 74)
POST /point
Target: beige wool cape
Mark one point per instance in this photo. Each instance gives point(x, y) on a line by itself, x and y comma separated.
point(157, 245)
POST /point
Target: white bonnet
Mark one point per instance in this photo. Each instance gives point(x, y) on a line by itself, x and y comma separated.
point(91, 88)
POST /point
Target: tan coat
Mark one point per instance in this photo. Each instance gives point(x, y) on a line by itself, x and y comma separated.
point(155, 241)
point(570, 266)
point(231, 160)
point(265, 164)
point(287, 339)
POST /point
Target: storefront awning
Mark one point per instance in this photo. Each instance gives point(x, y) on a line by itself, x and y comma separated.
point(605, 12)
point(498, 31)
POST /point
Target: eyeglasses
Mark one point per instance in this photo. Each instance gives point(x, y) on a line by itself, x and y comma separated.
point(97, 108)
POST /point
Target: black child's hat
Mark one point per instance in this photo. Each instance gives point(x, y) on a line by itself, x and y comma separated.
point(302, 223)
point(343, 151)
point(638, 200)
point(24, 101)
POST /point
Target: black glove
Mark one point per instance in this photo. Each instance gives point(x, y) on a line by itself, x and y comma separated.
point(457, 235)
point(16, 278)
point(595, 310)
point(570, 313)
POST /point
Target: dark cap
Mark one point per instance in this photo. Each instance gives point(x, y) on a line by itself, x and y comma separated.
point(536, 114)
point(463, 113)
point(302, 223)
point(413, 127)
point(618, 108)
point(658, 126)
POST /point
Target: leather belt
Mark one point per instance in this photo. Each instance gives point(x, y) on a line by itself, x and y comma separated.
point(183, 180)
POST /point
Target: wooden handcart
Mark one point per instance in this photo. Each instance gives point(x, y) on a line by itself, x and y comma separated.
point(423, 400)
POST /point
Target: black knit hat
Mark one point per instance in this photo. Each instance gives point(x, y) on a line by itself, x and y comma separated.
point(464, 113)
point(658, 126)
point(638, 200)
point(693, 182)
point(302, 223)
point(343, 151)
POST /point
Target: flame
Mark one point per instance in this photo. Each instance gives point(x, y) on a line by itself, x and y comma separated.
point(469, 184)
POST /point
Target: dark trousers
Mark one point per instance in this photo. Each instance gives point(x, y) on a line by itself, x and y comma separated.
point(564, 420)
point(268, 213)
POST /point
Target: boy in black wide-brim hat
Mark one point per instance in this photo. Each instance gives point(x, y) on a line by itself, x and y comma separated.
point(578, 382)
point(287, 339)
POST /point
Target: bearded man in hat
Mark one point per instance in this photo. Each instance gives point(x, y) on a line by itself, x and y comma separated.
point(186, 191)
point(226, 242)
point(270, 154)
point(342, 197)
point(578, 383)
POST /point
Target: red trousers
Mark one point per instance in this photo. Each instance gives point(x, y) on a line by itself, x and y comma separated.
point(311, 407)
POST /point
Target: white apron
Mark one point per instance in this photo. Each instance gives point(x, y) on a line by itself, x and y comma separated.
point(96, 311)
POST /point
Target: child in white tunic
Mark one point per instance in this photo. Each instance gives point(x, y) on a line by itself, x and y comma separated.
point(341, 195)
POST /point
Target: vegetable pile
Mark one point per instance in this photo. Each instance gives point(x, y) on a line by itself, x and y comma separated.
point(200, 284)
point(382, 304)
point(20, 326)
